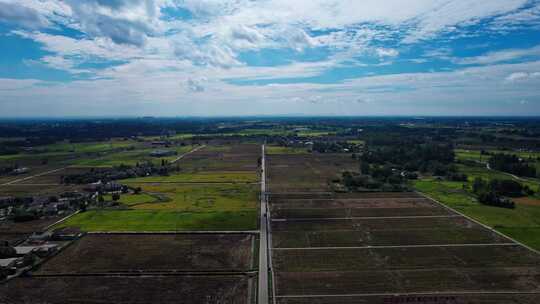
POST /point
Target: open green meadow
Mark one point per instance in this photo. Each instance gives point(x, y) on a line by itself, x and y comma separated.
point(200, 198)
point(170, 207)
point(521, 223)
point(64, 151)
point(90, 147)
point(134, 199)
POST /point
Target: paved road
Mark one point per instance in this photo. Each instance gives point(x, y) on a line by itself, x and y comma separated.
point(263, 243)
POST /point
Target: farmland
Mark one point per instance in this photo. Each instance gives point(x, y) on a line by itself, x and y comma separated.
point(521, 223)
point(201, 177)
point(156, 220)
point(200, 199)
point(203, 224)
point(332, 247)
point(130, 157)
point(192, 289)
point(153, 253)
point(190, 235)
point(309, 172)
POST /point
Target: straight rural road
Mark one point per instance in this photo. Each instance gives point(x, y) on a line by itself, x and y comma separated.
point(36, 175)
point(263, 242)
point(187, 153)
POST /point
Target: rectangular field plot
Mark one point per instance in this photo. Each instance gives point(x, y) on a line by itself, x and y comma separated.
point(131, 157)
point(330, 212)
point(109, 253)
point(387, 237)
point(28, 227)
point(306, 172)
point(403, 258)
point(136, 289)
point(201, 177)
point(351, 202)
point(158, 220)
point(520, 279)
point(241, 157)
point(420, 298)
point(329, 208)
point(200, 198)
point(378, 224)
point(25, 190)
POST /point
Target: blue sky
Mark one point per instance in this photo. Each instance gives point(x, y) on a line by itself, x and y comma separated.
point(269, 57)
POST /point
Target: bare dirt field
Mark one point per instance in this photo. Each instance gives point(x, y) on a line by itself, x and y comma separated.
point(28, 190)
point(242, 157)
point(306, 172)
point(373, 224)
point(403, 258)
point(12, 238)
point(527, 201)
point(135, 289)
point(521, 279)
point(29, 226)
point(423, 299)
point(117, 253)
point(354, 212)
point(355, 238)
point(353, 207)
point(337, 245)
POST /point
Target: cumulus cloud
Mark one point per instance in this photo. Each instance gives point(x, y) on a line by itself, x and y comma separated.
point(123, 21)
point(522, 76)
point(382, 52)
point(160, 54)
point(13, 13)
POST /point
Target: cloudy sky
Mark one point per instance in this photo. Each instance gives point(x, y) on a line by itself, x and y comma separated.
point(264, 57)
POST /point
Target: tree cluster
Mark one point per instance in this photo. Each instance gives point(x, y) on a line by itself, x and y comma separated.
point(381, 179)
point(116, 173)
point(335, 147)
point(494, 192)
point(512, 164)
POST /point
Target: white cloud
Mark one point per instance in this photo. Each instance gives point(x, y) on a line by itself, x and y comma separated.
point(14, 13)
point(500, 56)
point(522, 76)
point(381, 52)
point(197, 61)
point(123, 21)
